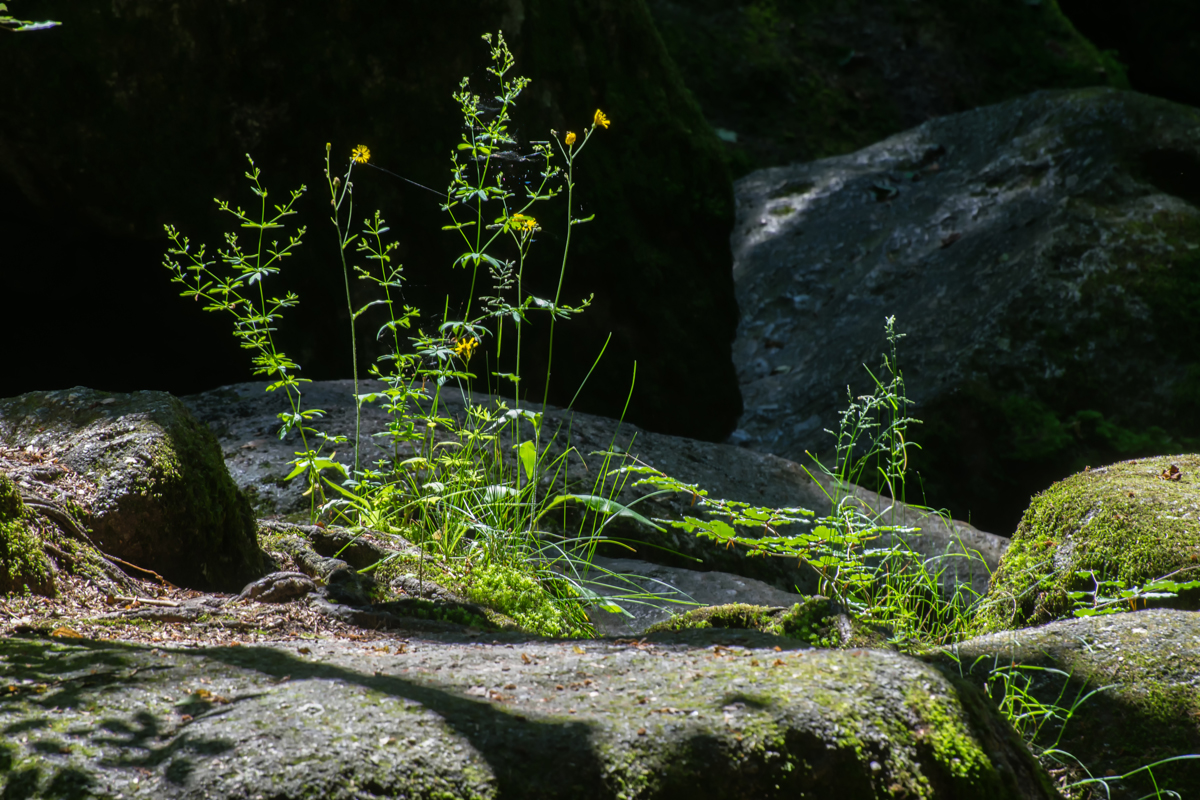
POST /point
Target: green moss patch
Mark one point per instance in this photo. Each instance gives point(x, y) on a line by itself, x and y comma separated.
point(812, 620)
point(1130, 521)
point(490, 596)
point(24, 568)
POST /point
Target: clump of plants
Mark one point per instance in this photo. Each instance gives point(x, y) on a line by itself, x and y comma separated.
point(862, 556)
point(443, 481)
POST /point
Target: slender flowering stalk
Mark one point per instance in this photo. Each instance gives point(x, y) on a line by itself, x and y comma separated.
point(570, 152)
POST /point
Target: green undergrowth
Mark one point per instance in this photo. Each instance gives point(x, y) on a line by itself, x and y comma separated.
point(510, 596)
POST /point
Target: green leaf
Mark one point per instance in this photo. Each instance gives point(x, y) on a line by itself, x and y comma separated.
point(601, 505)
point(299, 470)
point(527, 452)
point(1169, 586)
point(326, 463)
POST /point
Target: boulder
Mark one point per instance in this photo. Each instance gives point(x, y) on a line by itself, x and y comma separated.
point(1129, 681)
point(1132, 522)
point(86, 142)
point(144, 478)
point(790, 82)
point(243, 417)
point(704, 713)
point(1042, 257)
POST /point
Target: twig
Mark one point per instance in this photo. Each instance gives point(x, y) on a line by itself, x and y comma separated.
point(148, 601)
point(157, 577)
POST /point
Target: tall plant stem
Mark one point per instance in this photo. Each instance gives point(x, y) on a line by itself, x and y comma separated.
point(562, 271)
point(343, 243)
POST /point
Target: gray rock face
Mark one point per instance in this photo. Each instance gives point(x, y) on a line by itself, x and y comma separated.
point(1041, 257)
point(705, 714)
point(243, 418)
point(158, 494)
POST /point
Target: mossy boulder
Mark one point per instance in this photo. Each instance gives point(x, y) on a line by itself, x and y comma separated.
point(1131, 522)
point(1042, 257)
point(86, 140)
point(802, 80)
point(1129, 681)
point(23, 564)
point(160, 496)
point(502, 716)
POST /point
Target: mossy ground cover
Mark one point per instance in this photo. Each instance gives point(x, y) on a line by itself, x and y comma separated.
point(1131, 521)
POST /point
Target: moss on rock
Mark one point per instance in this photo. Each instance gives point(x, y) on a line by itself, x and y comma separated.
point(24, 567)
point(164, 499)
point(1130, 522)
point(1145, 666)
point(812, 620)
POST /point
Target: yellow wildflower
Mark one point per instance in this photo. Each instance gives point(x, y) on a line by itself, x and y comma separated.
point(360, 154)
point(600, 119)
point(523, 223)
point(466, 348)
point(570, 137)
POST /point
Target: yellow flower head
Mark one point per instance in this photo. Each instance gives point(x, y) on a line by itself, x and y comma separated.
point(466, 348)
point(600, 119)
point(523, 223)
point(360, 154)
point(570, 137)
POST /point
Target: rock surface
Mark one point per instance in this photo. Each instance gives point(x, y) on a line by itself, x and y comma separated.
point(1133, 522)
point(710, 713)
point(243, 418)
point(796, 81)
point(1042, 257)
point(147, 477)
point(1144, 670)
point(266, 78)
